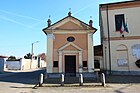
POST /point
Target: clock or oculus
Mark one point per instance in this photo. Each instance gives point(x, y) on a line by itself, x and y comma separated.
point(70, 39)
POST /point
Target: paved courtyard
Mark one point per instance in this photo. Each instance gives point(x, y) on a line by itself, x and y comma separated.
point(23, 82)
point(26, 88)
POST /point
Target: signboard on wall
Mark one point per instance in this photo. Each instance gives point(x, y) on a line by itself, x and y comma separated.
point(122, 62)
point(136, 51)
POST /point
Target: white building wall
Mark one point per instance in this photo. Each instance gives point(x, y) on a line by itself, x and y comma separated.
point(131, 58)
point(14, 65)
point(24, 64)
point(131, 15)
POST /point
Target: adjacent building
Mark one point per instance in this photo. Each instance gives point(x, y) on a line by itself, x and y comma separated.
point(120, 36)
point(69, 47)
point(2, 63)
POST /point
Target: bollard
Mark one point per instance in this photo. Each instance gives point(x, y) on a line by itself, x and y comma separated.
point(103, 79)
point(97, 75)
point(81, 80)
point(62, 80)
point(41, 80)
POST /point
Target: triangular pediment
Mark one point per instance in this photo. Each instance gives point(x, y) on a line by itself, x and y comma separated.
point(70, 46)
point(71, 23)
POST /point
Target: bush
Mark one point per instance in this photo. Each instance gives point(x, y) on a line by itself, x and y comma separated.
point(28, 56)
point(138, 63)
point(12, 58)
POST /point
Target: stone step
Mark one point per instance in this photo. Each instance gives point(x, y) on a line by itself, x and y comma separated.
point(70, 80)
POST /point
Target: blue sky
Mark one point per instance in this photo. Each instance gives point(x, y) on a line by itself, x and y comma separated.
point(22, 21)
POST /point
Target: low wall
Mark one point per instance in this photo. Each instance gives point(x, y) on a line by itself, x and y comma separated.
point(43, 63)
point(14, 65)
point(2, 61)
point(25, 64)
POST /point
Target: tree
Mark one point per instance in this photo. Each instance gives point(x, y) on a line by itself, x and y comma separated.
point(12, 58)
point(28, 56)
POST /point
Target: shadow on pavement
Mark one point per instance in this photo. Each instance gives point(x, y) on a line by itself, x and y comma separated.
point(22, 77)
point(5, 72)
point(20, 87)
point(124, 79)
point(33, 78)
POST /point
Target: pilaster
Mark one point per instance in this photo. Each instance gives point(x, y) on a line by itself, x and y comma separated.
point(60, 61)
point(90, 53)
point(80, 62)
point(50, 38)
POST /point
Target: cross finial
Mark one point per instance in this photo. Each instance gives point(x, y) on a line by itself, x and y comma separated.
point(90, 17)
point(69, 9)
point(49, 16)
point(49, 21)
point(90, 21)
point(69, 14)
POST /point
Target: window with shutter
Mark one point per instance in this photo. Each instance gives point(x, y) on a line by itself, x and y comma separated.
point(119, 19)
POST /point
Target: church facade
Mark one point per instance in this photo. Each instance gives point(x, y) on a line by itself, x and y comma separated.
point(69, 47)
point(120, 36)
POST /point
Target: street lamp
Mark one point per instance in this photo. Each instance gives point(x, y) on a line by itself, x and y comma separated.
point(32, 49)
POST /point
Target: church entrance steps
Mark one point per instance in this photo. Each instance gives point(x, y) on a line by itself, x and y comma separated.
point(70, 80)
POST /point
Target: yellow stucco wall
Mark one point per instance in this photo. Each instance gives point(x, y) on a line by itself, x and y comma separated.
point(61, 40)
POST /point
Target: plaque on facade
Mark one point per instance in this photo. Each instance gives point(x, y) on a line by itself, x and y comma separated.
point(136, 51)
point(122, 62)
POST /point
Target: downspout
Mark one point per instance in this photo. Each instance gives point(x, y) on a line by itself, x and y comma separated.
point(102, 38)
point(108, 40)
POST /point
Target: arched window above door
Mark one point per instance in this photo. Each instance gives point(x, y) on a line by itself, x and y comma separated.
point(122, 55)
point(122, 48)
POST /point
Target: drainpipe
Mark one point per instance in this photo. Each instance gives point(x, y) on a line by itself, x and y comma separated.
point(108, 40)
point(102, 39)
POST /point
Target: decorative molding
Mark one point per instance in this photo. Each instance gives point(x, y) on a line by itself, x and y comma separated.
point(121, 5)
point(60, 53)
point(51, 36)
point(70, 51)
point(68, 44)
point(122, 50)
point(125, 38)
point(70, 32)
